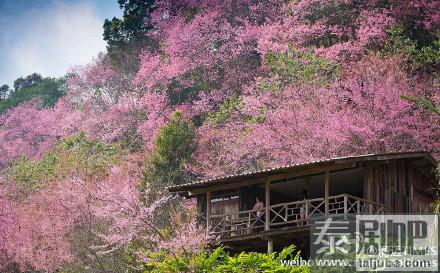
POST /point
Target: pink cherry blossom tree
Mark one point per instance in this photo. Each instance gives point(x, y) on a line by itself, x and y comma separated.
point(264, 82)
point(360, 113)
point(30, 130)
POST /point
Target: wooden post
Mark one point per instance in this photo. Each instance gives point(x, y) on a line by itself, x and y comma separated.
point(269, 246)
point(411, 191)
point(267, 206)
point(306, 213)
point(345, 207)
point(307, 185)
point(208, 210)
point(368, 181)
point(326, 192)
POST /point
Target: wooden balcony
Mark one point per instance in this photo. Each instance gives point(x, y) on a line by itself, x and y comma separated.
point(288, 215)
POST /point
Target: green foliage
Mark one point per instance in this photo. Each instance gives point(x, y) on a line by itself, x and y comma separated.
point(28, 81)
point(4, 90)
point(297, 67)
point(231, 104)
point(133, 25)
point(333, 13)
point(424, 103)
point(219, 261)
point(174, 148)
point(234, 103)
point(260, 118)
point(48, 91)
point(131, 140)
point(399, 42)
point(88, 158)
point(125, 37)
point(190, 13)
point(30, 175)
point(178, 94)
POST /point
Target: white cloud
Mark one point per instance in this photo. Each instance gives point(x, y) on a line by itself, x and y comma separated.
point(51, 40)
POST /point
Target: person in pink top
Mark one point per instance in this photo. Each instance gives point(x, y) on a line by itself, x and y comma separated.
point(258, 207)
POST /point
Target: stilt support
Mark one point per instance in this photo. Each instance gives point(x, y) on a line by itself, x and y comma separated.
point(269, 246)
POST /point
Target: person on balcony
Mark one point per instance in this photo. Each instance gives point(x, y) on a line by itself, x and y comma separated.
point(259, 209)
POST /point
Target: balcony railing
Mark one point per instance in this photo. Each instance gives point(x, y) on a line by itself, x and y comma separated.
point(293, 214)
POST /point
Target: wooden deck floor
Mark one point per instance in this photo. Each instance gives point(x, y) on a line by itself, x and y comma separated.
point(282, 237)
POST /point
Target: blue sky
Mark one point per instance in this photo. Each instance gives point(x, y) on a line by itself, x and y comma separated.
point(50, 36)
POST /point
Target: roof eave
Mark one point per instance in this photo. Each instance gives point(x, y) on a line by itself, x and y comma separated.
point(270, 171)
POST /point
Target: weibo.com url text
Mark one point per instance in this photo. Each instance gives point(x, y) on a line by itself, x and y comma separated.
point(362, 264)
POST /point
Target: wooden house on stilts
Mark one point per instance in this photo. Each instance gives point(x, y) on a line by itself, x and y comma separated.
point(374, 183)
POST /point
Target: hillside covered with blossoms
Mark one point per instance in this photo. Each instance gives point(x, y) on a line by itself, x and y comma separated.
point(195, 89)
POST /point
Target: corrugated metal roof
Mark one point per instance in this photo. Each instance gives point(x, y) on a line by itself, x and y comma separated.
point(365, 157)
